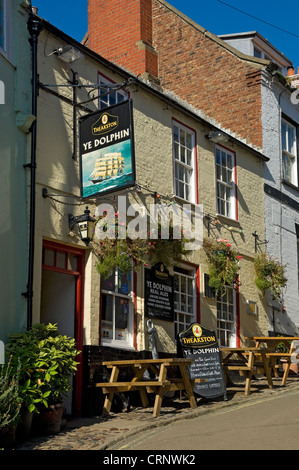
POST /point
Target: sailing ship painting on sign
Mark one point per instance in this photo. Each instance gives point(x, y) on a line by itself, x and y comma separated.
point(107, 151)
point(109, 166)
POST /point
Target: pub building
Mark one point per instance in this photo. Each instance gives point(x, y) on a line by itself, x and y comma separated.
point(111, 149)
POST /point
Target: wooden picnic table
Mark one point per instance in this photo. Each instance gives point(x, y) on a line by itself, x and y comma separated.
point(161, 384)
point(271, 343)
point(246, 360)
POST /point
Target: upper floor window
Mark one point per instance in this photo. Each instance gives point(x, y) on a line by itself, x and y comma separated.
point(262, 55)
point(184, 162)
point(6, 27)
point(289, 152)
point(225, 181)
point(3, 25)
point(109, 96)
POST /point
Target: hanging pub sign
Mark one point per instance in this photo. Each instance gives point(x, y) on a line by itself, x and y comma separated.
point(159, 300)
point(201, 344)
point(107, 160)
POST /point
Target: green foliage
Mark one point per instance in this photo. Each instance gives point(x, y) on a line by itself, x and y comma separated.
point(131, 253)
point(270, 274)
point(47, 360)
point(282, 347)
point(223, 264)
point(10, 399)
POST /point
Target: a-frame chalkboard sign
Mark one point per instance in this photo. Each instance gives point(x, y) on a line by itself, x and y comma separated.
point(201, 344)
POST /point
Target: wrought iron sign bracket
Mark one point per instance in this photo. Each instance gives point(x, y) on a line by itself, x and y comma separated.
point(257, 241)
point(75, 104)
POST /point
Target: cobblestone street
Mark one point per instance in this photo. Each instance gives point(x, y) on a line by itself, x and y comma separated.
point(99, 433)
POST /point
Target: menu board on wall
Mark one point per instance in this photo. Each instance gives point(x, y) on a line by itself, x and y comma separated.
point(201, 345)
point(159, 300)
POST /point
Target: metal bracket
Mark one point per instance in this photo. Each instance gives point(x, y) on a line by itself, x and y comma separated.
point(257, 241)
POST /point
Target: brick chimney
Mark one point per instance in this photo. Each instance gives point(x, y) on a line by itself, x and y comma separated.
point(121, 31)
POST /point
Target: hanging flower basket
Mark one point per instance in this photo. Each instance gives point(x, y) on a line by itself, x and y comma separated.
point(270, 274)
point(223, 264)
point(131, 253)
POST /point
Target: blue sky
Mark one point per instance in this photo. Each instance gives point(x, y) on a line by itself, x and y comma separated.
point(216, 16)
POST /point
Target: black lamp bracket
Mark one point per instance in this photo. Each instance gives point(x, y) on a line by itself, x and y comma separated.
point(257, 241)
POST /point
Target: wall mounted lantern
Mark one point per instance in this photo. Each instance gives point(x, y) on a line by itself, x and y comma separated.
point(85, 224)
point(68, 53)
point(217, 137)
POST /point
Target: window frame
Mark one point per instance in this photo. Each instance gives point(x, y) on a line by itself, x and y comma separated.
point(6, 49)
point(179, 164)
point(233, 212)
point(118, 93)
point(285, 152)
point(114, 342)
point(188, 317)
point(230, 341)
point(4, 27)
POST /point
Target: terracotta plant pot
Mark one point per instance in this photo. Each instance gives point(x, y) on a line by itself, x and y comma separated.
point(25, 425)
point(48, 420)
point(7, 437)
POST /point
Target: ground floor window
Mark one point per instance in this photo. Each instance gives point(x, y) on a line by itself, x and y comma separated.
point(184, 297)
point(117, 310)
point(226, 318)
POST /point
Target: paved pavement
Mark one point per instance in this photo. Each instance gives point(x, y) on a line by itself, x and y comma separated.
point(98, 433)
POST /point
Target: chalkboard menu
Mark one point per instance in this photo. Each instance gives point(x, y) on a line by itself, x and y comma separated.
point(159, 300)
point(201, 345)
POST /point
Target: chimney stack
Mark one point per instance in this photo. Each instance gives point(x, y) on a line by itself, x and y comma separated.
point(121, 31)
point(291, 71)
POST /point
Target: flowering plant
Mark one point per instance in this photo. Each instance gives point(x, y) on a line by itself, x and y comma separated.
point(127, 253)
point(270, 274)
point(223, 264)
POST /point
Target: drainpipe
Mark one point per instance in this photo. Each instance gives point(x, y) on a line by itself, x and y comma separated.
point(34, 28)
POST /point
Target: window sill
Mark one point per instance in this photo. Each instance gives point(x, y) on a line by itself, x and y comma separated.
point(184, 201)
point(291, 185)
point(6, 57)
point(120, 345)
point(228, 220)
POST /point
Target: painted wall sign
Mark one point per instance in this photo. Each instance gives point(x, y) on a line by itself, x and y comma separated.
point(107, 160)
point(201, 344)
point(159, 299)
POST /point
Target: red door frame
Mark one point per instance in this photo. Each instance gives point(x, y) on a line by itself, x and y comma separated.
point(79, 307)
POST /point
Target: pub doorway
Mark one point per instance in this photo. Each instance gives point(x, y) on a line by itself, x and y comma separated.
point(62, 303)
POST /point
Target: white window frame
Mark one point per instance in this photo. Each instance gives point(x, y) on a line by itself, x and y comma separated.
point(184, 178)
point(107, 326)
point(3, 25)
point(226, 201)
point(6, 47)
point(183, 317)
point(115, 97)
point(257, 52)
point(289, 152)
point(227, 327)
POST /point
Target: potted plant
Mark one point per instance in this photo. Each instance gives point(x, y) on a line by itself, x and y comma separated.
point(223, 264)
point(270, 274)
point(10, 404)
point(47, 362)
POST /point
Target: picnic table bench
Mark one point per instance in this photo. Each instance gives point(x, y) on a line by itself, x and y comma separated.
point(246, 361)
point(163, 382)
point(290, 342)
